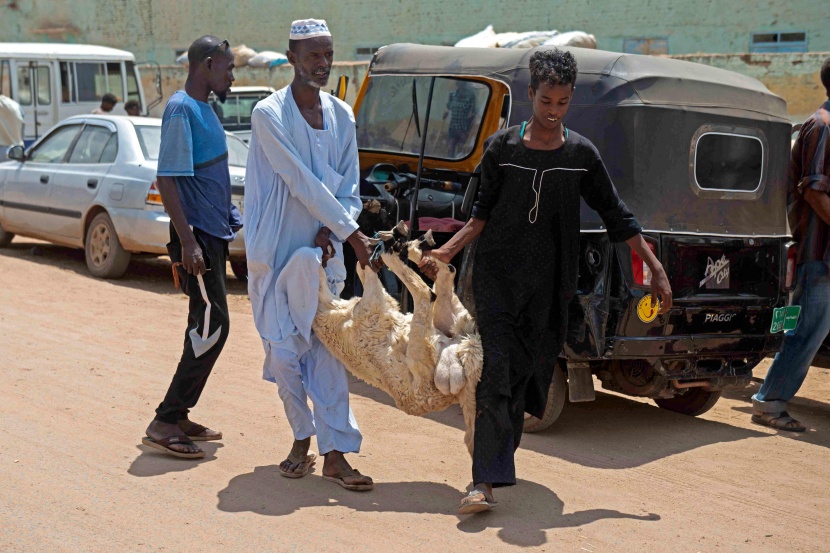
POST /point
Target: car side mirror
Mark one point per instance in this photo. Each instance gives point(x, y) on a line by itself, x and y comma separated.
point(16, 153)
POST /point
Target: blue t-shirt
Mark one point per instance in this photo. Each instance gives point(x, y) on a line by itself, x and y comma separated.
point(195, 153)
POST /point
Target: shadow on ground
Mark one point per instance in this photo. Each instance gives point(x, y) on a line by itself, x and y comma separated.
point(523, 515)
point(151, 462)
point(145, 272)
point(611, 432)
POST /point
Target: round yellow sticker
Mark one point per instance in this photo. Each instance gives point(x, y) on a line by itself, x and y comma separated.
point(645, 311)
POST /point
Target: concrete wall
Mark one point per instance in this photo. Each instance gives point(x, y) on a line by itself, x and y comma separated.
point(794, 77)
point(155, 29)
point(174, 76)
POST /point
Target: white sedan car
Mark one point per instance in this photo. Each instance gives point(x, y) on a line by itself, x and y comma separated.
point(90, 183)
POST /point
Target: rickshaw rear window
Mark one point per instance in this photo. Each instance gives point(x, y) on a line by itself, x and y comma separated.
point(392, 116)
point(728, 162)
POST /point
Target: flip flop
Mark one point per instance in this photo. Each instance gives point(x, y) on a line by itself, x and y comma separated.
point(194, 434)
point(165, 443)
point(779, 421)
point(340, 479)
point(475, 502)
point(308, 464)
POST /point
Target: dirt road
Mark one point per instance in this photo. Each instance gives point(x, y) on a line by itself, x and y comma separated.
point(86, 361)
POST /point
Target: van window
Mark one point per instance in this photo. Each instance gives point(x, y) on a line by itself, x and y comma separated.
point(728, 162)
point(5, 78)
point(132, 82)
point(114, 83)
point(392, 114)
point(44, 85)
point(68, 94)
point(90, 145)
point(24, 85)
point(91, 80)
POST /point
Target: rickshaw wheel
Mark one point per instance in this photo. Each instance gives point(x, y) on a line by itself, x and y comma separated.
point(557, 394)
point(694, 402)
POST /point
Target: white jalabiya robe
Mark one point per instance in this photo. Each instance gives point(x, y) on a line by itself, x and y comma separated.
point(298, 180)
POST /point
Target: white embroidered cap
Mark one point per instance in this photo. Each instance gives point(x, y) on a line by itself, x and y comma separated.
point(309, 28)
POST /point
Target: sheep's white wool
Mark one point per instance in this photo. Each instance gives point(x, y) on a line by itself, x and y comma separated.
point(426, 360)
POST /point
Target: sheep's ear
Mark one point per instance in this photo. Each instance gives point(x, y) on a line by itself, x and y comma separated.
point(428, 238)
point(402, 228)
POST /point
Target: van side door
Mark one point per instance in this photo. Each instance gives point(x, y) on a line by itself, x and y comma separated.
point(35, 81)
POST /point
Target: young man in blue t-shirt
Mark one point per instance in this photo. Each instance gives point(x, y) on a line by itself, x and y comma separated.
point(195, 187)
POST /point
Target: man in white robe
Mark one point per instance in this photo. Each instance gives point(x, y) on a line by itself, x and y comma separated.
point(301, 203)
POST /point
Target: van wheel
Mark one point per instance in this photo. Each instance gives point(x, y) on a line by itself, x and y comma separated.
point(105, 257)
point(240, 269)
point(5, 237)
point(694, 402)
point(556, 402)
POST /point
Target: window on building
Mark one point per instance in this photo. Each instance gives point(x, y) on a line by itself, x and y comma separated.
point(791, 41)
point(646, 46)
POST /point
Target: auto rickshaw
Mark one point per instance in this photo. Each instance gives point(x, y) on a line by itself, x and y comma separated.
point(698, 154)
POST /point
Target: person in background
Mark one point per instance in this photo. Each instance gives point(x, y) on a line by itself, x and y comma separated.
point(11, 125)
point(133, 108)
point(108, 102)
point(808, 211)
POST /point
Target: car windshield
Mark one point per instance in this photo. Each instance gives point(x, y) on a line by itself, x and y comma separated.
point(393, 111)
point(150, 140)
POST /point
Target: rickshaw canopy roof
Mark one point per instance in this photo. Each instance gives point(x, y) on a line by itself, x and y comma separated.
point(618, 79)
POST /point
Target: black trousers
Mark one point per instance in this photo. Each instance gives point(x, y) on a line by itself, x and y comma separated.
point(511, 320)
point(192, 372)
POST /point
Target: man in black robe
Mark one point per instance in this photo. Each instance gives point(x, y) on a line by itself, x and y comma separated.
point(527, 213)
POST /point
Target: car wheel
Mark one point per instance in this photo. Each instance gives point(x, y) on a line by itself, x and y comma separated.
point(694, 402)
point(105, 257)
point(240, 269)
point(557, 394)
point(5, 237)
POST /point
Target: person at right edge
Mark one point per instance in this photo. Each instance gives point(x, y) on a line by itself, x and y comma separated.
point(808, 211)
point(527, 213)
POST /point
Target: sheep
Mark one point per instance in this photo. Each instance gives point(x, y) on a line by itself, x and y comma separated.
point(425, 360)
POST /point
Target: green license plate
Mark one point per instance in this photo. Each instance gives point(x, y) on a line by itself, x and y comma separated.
point(784, 318)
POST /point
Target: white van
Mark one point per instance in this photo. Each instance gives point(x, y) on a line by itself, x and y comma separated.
point(54, 81)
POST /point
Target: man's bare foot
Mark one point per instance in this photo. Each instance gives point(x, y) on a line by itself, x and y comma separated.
point(198, 432)
point(337, 469)
point(298, 461)
point(160, 430)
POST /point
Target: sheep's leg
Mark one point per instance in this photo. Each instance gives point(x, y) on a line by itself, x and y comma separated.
point(373, 300)
point(467, 399)
point(442, 309)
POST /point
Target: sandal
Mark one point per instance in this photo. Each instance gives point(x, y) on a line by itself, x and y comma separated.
point(306, 465)
point(165, 443)
point(778, 421)
point(475, 501)
point(340, 479)
point(196, 430)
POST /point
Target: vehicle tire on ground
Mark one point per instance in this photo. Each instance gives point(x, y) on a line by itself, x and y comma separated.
point(105, 257)
point(557, 394)
point(240, 269)
point(694, 402)
point(5, 237)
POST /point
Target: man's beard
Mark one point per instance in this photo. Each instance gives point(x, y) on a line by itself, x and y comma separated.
point(222, 96)
point(308, 79)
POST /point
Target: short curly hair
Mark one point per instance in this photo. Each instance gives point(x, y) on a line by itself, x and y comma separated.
point(552, 67)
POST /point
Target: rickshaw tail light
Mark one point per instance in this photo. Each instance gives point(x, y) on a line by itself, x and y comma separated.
point(788, 280)
point(153, 196)
point(641, 272)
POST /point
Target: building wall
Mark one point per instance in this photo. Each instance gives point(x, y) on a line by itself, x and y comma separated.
point(155, 29)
